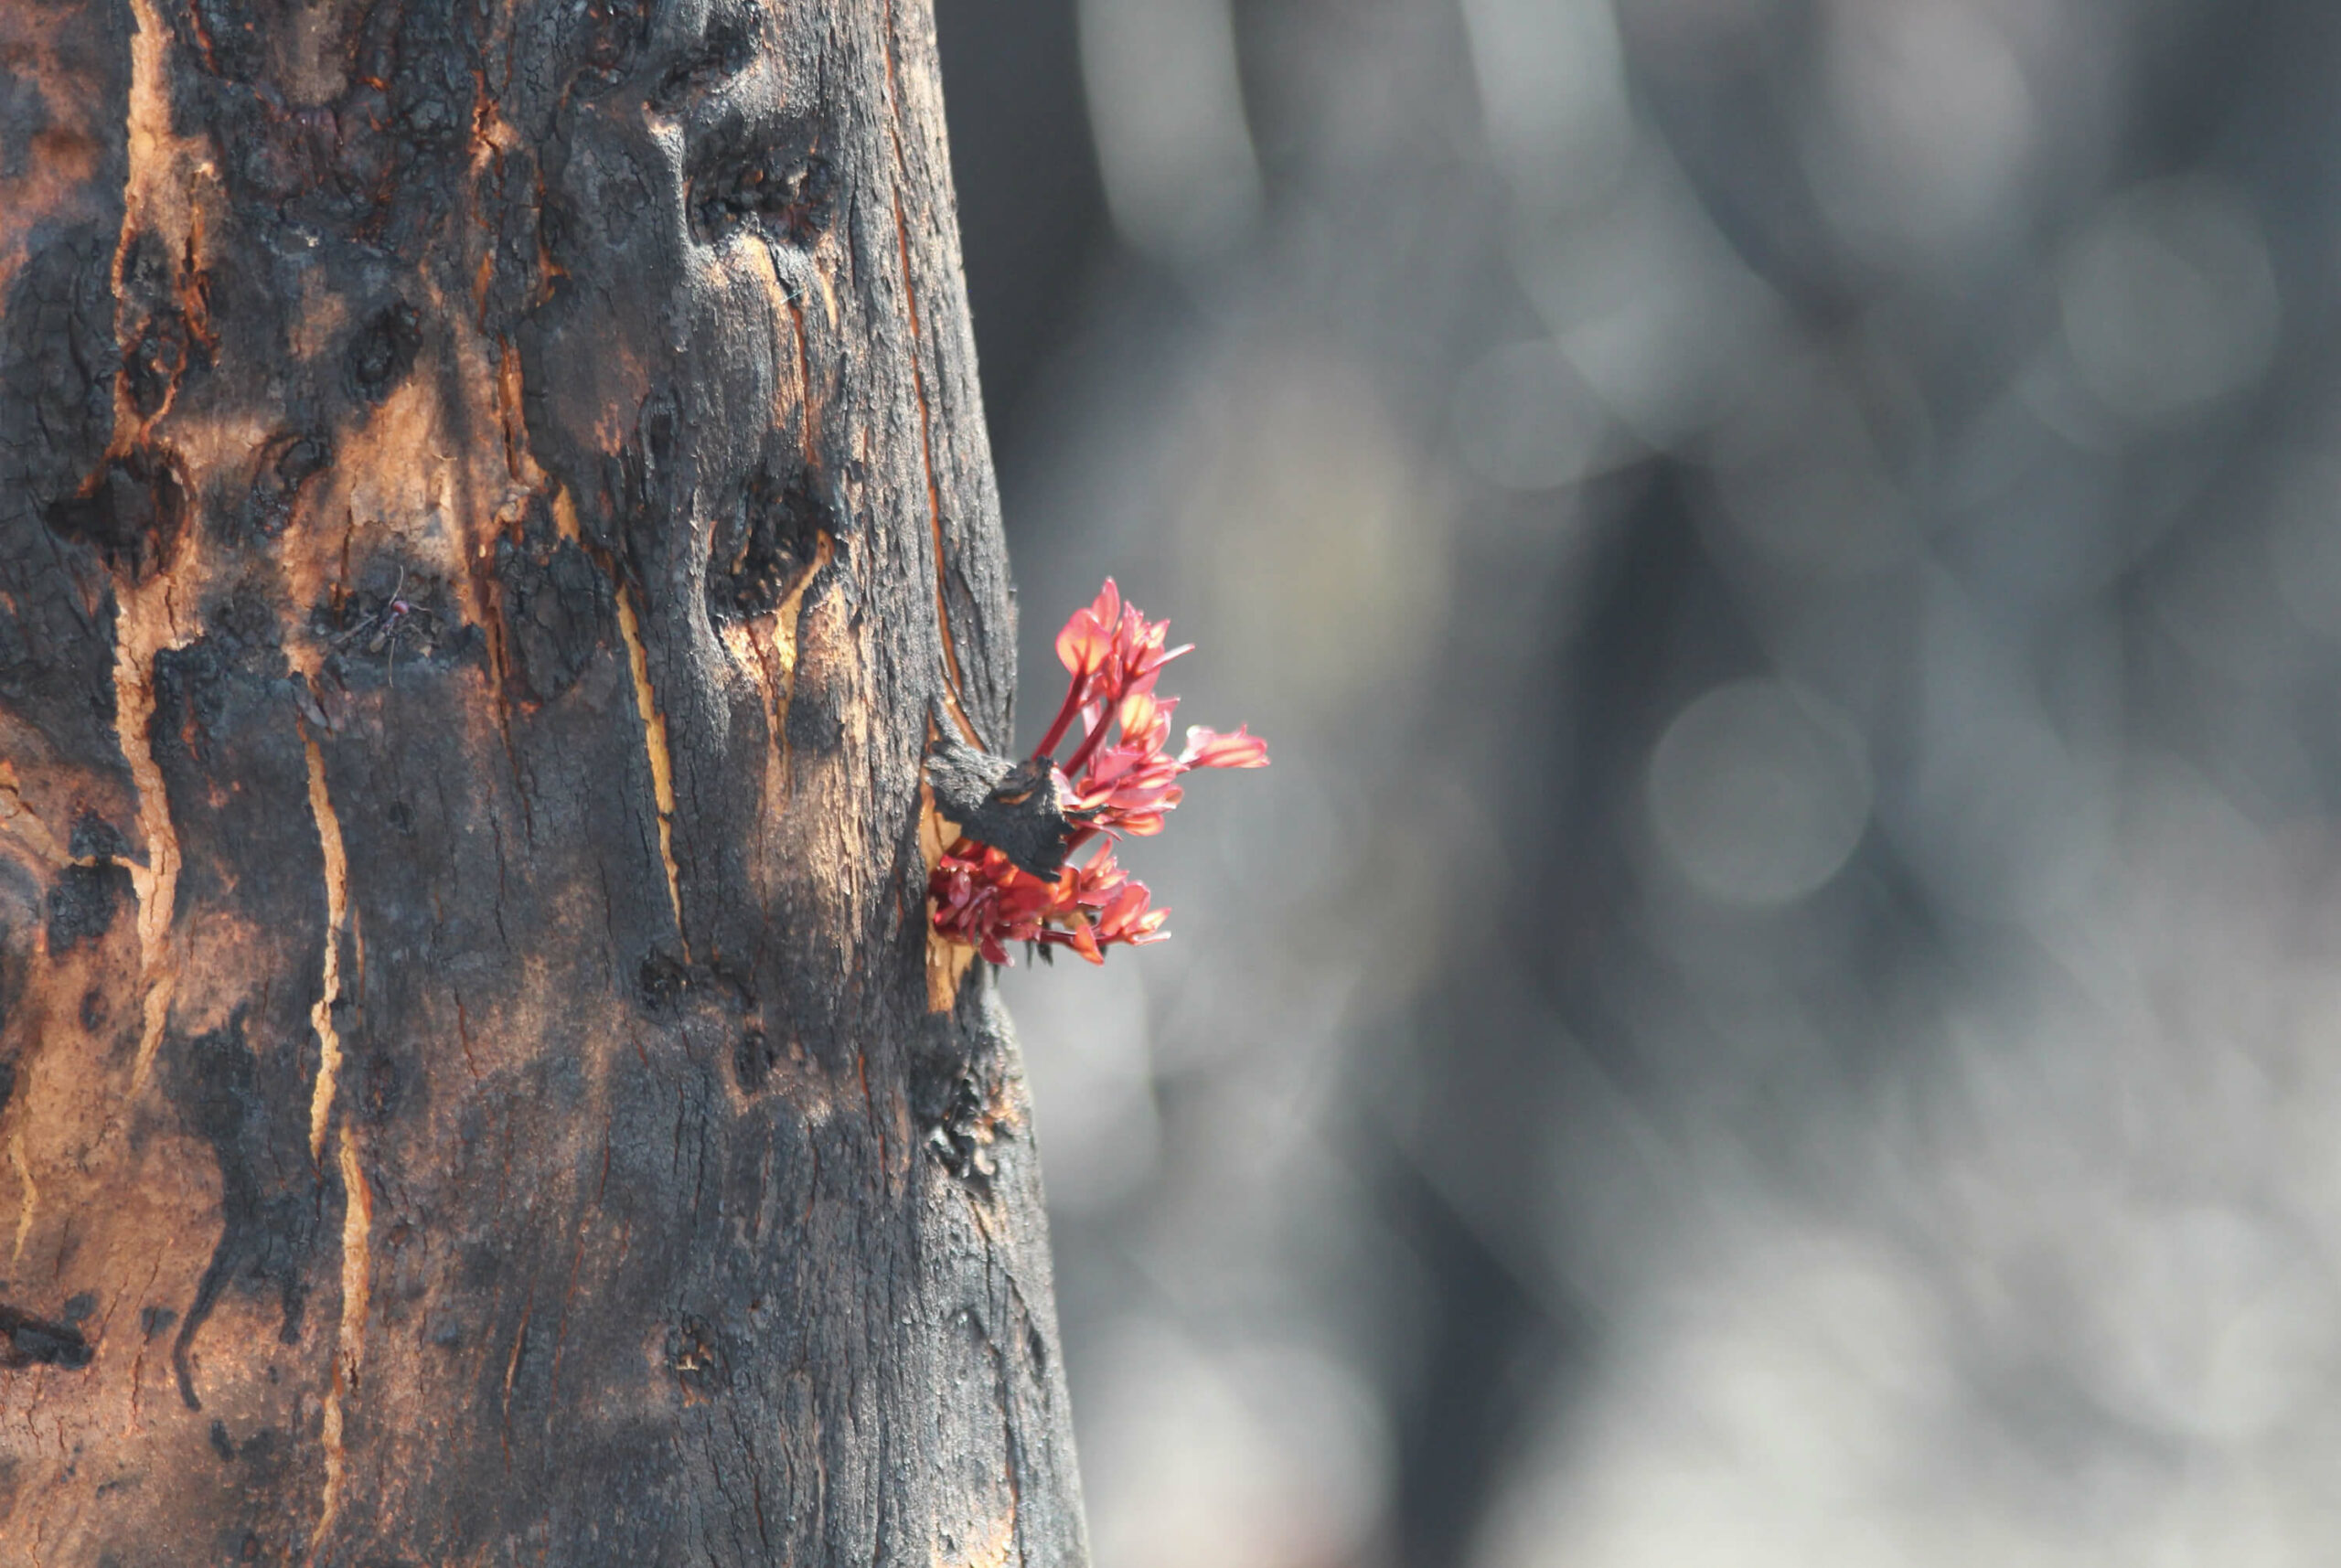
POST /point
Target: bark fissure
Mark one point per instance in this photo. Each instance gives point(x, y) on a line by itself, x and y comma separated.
point(656, 753)
point(953, 680)
point(349, 1339)
point(29, 1204)
point(139, 639)
point(146, 620)
point(337, 884)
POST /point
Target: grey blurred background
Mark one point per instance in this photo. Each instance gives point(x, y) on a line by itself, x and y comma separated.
point(1780, 1002)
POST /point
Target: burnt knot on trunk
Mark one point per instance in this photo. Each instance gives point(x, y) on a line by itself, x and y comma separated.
point(1016, 807)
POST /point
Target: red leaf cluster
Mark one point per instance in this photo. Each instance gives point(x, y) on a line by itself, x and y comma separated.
point(1120, 778)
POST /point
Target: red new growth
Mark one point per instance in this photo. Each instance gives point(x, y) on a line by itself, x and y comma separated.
point(1119, 779)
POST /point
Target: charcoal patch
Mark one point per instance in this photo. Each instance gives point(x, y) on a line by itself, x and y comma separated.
point(776, 182)
point(753, 1056)
point(961, 1135)
point(191, 697)
point(155, 360)
point(638, 488)
point(614, 33)
point(384, 1087)
point(372, 165)
point(400, 619)
point(240, 625)
point(93, 836)
point(83, 904)
point(27, 1340)
point(665, 982)
point(130, 513)
point(762, 548)
point(729, 49)
point(58, 371)
point(815, 726)
point(695, 1355)
point(269, 1205)
point(236, 50)
point(383, 351)
point(24, 115)
point(559, 610)
point(661, 982)
point(286, 462)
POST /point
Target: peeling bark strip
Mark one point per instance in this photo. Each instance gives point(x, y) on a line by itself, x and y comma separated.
point(491, 498)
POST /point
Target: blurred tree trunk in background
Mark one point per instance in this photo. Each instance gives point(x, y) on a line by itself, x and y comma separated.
point(493, 503)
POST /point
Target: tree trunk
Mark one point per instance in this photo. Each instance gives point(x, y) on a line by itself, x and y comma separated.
point(493, 505)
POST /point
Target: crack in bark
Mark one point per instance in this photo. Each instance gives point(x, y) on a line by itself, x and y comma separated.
point(946, 961)
point(349, 1341)
point(142, 630)
point(654, 745)
point(804, 377)
point(337, 879)
point(512, 1369)
point(358, 1205)
point(951, 683)
point(463, 1032)
point(28, 1203)
point(770, 641)
point(146, 618)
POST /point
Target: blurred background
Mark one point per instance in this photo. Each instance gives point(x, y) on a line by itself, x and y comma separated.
point(1780, 1003)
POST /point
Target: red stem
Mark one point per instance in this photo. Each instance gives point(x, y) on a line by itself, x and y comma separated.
point(1071, 706)
point(1089, 742)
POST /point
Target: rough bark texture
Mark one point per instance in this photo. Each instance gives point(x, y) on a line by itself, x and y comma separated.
point(493, 504)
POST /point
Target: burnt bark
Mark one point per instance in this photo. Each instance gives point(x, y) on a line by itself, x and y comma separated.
point(494, 510)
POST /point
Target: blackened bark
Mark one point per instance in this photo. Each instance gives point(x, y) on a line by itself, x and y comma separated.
point(493, 508)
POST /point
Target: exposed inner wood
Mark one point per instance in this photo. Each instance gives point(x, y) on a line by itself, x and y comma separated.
point(655, 751)
point(336, 882)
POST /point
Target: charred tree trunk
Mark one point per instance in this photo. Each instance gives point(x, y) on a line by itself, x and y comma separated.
point(493, 507)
